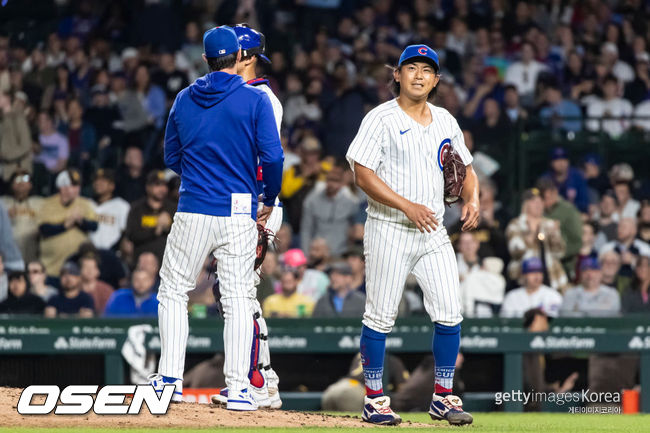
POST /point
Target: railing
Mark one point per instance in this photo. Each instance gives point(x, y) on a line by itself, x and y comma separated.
point(320, 336)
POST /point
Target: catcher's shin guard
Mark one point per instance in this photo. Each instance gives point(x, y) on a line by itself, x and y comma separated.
point(255, 374)
point(264, 363)
point(265, 354)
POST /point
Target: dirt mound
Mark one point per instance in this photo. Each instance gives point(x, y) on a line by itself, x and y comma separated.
point(186, 415)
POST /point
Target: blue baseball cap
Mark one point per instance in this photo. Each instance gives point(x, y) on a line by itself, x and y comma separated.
point(589, 263)
point(592, 158)
point(251, 41)
point(532, 264)
point(559, 153)
point(220, 41)
point(422, 52)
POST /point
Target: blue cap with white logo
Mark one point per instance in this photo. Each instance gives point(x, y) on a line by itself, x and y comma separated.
point(252, 42)
point(220, 41)
point(422, 52)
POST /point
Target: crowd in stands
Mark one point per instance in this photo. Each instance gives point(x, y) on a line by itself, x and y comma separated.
point(87, 203)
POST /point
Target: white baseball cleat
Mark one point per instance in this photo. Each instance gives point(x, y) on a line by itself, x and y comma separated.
point(241, 401)
point(377, 411)
point(449, 408)
point(268, 401)
point(158, 382)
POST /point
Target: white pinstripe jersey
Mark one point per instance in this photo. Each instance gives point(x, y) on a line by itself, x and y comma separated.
point(275, 103)
point(407, 156)
point(277, 112)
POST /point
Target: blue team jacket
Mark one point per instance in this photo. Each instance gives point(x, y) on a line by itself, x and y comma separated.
point(217, 129)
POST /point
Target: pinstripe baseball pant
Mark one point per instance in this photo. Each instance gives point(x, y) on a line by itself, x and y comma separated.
point(395, 250)
point(232, 240)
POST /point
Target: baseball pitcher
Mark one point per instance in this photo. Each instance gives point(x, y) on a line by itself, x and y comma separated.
point(410, 158)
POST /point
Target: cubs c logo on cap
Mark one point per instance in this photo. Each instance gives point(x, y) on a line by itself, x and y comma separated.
point(415, 51)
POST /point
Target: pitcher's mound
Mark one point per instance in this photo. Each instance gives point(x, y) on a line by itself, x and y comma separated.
point(187, 415)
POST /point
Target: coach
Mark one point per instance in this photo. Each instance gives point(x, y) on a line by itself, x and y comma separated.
point(218, 129)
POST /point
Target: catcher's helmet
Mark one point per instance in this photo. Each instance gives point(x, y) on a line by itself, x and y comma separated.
point(251, 41)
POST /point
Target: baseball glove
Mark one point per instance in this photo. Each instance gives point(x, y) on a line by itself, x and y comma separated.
point(263, 237)
point(454, 173)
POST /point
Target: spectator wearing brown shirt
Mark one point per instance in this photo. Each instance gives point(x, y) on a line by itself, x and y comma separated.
point(23, 210)
point(65, 221)
point(149, 220)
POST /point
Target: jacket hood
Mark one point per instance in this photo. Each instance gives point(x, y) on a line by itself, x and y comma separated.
point(214, 87)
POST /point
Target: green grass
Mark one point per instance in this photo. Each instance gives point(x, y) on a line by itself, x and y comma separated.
point(483, 423)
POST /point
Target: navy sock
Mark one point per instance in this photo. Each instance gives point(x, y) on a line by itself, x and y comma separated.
point(373, 348)
point(446, 342)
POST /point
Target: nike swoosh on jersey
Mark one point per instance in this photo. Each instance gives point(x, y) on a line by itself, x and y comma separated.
point(404, 132)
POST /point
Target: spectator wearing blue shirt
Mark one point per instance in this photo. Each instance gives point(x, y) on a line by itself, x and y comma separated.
point(490, 88)
point(596, 179)
point(152, 97)
point(72, 301)
point(569, 181)
point(137, 301)
point(560, 113)
point(341, 300)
